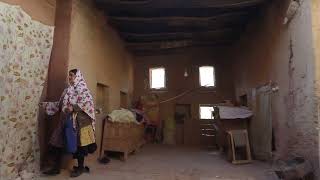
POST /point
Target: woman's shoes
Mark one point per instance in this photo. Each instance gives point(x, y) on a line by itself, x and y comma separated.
point(86, 169)
point(52, 172)
point(77, 171)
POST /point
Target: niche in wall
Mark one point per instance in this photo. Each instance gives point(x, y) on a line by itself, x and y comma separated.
point(244, 100)
point(124, 100)
point(102, 98)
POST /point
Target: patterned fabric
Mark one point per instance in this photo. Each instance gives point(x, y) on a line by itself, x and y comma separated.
point(25, 49)
point(77, 94)
point(52, 108)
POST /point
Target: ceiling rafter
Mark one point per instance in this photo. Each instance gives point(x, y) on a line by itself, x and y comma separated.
point(181, 18)
point(203, 36)
point(178, 24)
point(179, 3)
point(164, 25)
point(162, 45)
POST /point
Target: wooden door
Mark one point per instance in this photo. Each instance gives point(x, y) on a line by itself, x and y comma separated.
point(182, 119)
point(261, 124)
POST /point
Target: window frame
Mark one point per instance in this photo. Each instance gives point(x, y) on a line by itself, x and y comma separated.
point(150, 78)
point(214, 77)
point(206, 105)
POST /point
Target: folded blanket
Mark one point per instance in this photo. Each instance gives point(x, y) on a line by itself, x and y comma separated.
point(234, 112)
point(122, 116)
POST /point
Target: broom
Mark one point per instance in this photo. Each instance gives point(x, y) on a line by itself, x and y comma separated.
point(102, 158)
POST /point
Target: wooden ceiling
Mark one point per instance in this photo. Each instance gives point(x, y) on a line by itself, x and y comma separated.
point(160, 25)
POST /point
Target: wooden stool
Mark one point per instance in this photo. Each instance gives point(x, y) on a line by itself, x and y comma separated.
point(239, 138)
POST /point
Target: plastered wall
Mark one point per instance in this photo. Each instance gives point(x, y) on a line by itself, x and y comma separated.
point(283, 54)
point(98, 52)
point(316, 41)
point(176, 64)
point(96, 49)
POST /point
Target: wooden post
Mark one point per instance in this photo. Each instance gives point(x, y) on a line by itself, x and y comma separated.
point(58, 66)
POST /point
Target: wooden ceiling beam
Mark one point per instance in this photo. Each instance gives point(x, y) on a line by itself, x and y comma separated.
point(129, 4)
point(174, 51)
point(182, 19)
point(200, 36)
point(178, 24)
point(154, 29)
point(157, 26)
point(164, 45)
point(169, 12)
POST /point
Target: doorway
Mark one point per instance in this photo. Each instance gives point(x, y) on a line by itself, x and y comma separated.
point(183, 120)
point(208, 130)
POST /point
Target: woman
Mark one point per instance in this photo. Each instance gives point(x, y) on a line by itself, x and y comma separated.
point(76, 101)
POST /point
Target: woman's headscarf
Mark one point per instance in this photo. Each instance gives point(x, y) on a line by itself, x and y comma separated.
point(79, 94)
point(76, 94)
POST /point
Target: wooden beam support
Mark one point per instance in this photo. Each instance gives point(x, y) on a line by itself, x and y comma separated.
point(165, 45)
point(178, 24)
point(200, 36)
point(175, 50)
point(58, 66)
point(157, 25)
point(169, 12)
point(120, 4)
point(181, 19)
point(58, 71)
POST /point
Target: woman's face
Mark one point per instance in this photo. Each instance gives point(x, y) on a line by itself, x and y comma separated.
point(72, 77)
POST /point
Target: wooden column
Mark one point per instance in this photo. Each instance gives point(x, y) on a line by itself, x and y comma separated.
point(58, 67)
point(58, 71)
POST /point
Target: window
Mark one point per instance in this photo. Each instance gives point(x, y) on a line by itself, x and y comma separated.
point(157, 78)
point(206, 112)
point(207, 76)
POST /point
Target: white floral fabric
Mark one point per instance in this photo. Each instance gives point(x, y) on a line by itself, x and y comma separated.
point(25, 49)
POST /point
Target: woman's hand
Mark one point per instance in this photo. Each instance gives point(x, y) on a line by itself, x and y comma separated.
point(42, 105)
point(69, 109)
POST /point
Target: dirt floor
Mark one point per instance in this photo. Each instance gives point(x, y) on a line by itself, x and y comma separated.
point(160, 162)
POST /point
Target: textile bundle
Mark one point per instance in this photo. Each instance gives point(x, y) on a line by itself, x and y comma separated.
point(24, 57)
point(122, 116)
